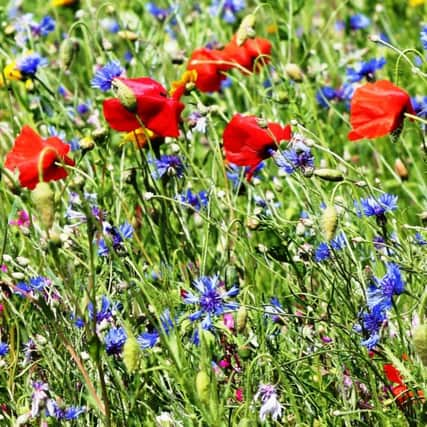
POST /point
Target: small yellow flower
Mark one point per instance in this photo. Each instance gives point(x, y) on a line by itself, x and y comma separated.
point(62, 2)
point(11, 72)
point(139, 137)
point(414, 3)
point(189, 76)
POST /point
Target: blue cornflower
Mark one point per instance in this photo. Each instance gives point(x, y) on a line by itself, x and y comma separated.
point(29, 64)
point(111, 25)
point(116, 235)
point(104, 76)
point(211, 300)
point(148, 340)
point(374, 319)
point(4, 348)
point(297, 157)
point(359, 22)
point(73, 412)
point(372, 341)
point(420, 106)
point(22, 289)
point(46, 26)
point(339, 242)
point(159, 13)
point(83, 109)
point(39, 283)
point(365, 69)
point(379, 207)
point(322, 252)
point(105, 312)
point(324, 95)
point(196, 200)
point(423, 36)
point(236, 173)
point(115, 340)
point(419, 239)
point(168, 165)
point(392, 283)
point(227, 9)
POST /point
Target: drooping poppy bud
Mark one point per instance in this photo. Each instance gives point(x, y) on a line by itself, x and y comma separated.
point(377, 109)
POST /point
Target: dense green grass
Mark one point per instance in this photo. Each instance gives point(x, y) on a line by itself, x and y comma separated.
point(310, 351)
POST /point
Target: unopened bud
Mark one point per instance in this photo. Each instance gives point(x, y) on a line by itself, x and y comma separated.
point(43, 199)
point(246, 29)
point(202, 386)
point(329, 174)
point(420, 342)
point(126, 95)
point(241, 318)
point(329, 222)
point(294, 72)
point(131, 353)
point(401, 169)
point(68, 51)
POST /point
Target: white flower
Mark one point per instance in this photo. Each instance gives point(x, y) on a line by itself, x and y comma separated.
point(270, 404)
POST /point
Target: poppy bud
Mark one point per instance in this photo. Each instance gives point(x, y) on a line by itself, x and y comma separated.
point(202, 386)
point(43, 198)
point(329, 174)
point(401, 169)
point(329, 221)
point(294, 72)
point(131, 353)
point(125, 95)
point(68, 50)
point(246, 30)
point(420, 342)
point(253, 223)
point(242, 317)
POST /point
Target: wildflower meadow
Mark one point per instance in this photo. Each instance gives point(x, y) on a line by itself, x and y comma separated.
point(213, 213)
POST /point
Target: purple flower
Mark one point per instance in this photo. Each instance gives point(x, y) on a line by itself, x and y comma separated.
point(39, 395)
point(210, 299)
point(104, 76)
point(148, 339)
point(46, 26)
point(227, 9)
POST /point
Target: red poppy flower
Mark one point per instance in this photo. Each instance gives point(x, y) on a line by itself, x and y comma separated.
point(209, 64)
point(399, 391)
point(377, 109)
point(154, 109)
point(250, 55)
point(31, 153)
point(248, 143)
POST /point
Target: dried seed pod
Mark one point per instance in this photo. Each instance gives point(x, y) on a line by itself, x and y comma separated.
point(294, 72)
